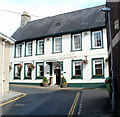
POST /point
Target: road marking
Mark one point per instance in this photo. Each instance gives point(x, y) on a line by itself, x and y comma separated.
point(71, 112)
point(80, 105)
point(23, 95)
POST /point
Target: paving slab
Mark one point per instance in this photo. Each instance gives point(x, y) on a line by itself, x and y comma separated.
point(9, 96)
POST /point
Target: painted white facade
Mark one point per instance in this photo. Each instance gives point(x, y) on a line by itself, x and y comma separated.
point(5, 44)
point(66, 56)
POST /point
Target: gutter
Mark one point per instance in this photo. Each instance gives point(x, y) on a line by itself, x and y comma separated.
point(11, 40)
point(59, 34)
point(3, 51)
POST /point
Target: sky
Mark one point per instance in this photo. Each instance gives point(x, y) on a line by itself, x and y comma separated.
point(10, 21)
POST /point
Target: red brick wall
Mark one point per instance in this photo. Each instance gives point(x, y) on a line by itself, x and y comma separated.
point(115, 15)
point(116, 61)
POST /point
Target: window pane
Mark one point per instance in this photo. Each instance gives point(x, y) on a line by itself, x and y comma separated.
point(77, 68)
point(98, 66)
point(17, 72)
point(40, 69)
point(57, 44)
point(97, 38)
point(98, 71)
point(76, 41)
point(18, 50)
point(29, 72)
point(29, 48)
point(40, 47)
point(77, 72)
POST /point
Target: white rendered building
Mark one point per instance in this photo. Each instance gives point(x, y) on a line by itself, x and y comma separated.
point(73, 44)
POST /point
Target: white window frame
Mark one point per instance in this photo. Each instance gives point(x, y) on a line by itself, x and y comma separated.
point(40, 47)
point(59, 45)
point(95, 40)
point(16, 71)
point(18, 50)
point(94, 63)
point(79, 44)
point(26, 70)
point(38, 67)
point(29, 48)
point(77, 62)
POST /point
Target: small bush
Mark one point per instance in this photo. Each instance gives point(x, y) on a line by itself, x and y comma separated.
point(63, 80)
point(45, 80)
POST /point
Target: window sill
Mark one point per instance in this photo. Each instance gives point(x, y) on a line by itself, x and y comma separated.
point(39, 77)
point(17, 56)
point(39, 54)
point(98, 77)
point(27, 78)
point(96, 48)
point(77, 77)
point(75, 50)
point(56, 52)
point(27, 55)
point(16, 78)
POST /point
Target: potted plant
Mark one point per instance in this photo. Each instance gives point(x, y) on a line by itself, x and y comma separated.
point(63, 82)
point(31, 66)
point(19, 66)
point(77, 77)
point(85, 61)
point(45, 82)
point(98, 76)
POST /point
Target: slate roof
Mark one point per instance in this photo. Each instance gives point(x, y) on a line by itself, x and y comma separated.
point(75, 21)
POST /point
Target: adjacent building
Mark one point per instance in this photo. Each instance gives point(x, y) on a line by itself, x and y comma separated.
point(115, 29)
point(73, 44)
point(5, 45)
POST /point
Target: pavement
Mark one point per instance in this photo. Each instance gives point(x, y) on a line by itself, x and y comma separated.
point(10, 96)
point(94, 102)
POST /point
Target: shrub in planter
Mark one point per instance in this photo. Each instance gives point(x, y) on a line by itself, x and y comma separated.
point(45, 82)
point(63, 82)
point(98, 76)
point(77, 77)
point(108, 82)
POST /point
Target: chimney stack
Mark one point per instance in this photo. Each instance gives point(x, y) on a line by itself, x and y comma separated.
point(25, 18)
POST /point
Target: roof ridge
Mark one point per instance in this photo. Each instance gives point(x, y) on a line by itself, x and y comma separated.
point(65, 13)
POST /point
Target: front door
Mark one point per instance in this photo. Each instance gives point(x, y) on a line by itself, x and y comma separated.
point(58, 76)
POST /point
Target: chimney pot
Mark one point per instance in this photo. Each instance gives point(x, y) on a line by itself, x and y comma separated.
point(25, 18)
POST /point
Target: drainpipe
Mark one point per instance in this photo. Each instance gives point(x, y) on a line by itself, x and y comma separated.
point(3, 50)
point(108, 11)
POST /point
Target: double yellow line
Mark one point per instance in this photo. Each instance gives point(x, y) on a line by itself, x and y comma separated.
point(23, 95)
point(71, 112)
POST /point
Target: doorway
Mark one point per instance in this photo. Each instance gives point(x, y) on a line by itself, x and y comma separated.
point(58, 76)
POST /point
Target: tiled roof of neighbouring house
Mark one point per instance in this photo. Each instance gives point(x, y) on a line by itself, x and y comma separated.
point(71, 22)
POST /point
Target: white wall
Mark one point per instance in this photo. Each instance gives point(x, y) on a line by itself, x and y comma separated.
point(66, 56)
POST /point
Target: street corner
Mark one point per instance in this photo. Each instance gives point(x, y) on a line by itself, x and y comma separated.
point(10, 97)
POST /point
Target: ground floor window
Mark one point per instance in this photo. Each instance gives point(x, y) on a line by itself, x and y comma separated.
point(98, 68)
point(28, 70)
point(39, 70)
point(17, 71)
point(76, 69)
